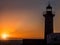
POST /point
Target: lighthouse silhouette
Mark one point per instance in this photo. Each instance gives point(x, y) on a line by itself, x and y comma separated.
point(48, 20)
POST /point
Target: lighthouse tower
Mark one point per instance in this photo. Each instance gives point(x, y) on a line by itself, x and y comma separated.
point(48, 20)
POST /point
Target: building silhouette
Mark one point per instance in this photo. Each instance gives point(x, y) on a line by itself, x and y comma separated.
point(48, 20)
point(50, 36)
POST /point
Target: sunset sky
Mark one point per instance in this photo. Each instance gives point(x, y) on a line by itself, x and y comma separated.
point(24, 18)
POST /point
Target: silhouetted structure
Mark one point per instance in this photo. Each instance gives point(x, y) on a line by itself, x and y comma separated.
point(48, 20)
point(50, 36)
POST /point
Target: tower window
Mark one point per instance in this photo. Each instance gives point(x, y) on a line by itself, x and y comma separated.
point(48, 9)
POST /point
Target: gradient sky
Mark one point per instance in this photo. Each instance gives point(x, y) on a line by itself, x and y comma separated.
point(24, 18)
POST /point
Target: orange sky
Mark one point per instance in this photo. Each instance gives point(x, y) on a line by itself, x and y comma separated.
point(21, 24)
point(24, 19)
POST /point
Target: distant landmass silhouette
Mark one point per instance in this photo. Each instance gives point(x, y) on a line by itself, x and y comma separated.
point(22, 42)
point(11, 42)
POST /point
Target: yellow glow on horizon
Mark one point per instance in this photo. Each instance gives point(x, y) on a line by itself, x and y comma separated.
point(4, 36)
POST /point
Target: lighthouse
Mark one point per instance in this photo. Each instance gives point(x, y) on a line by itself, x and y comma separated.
point(48, 20)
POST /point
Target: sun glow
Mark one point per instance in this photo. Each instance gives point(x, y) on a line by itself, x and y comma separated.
point(4, 36)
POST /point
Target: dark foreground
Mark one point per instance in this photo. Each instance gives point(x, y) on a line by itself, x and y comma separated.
point(25, 42)
point(22, 42)
point(11, 42)
point(33, 42)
